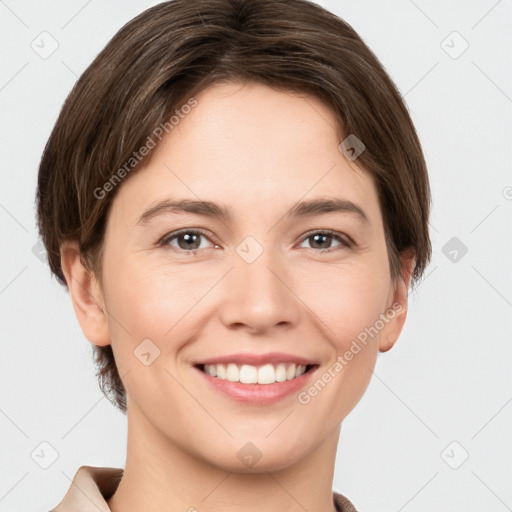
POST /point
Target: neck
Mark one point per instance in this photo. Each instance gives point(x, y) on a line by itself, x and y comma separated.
point(161, 476)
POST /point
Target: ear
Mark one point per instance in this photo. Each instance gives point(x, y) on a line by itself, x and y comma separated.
point(86, 295)
point(397, 308)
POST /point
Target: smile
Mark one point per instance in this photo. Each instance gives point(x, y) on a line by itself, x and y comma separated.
point(256, 384)
point(249, 374)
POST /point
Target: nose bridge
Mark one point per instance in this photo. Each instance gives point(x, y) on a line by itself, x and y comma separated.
point(259, 293)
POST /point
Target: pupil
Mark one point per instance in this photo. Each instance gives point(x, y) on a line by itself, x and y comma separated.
point(189, 237)
point(320, 236)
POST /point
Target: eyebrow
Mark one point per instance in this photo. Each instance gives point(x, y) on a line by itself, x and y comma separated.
point(210, 209)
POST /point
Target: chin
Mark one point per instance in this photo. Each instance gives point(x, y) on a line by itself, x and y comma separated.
point(258, 455)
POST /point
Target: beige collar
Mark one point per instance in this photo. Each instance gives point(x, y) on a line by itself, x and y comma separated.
point(93, 486)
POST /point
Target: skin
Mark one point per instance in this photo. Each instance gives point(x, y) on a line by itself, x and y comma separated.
point(258, 151)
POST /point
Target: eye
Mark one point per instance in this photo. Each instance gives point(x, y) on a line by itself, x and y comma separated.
point(190, 240)
point(187, 240)
point(322, 240)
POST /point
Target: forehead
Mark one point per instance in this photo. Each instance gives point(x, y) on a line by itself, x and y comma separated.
point(251, 145)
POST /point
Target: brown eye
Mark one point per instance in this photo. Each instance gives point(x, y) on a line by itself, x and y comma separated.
point(187, 240)
point(323, 240)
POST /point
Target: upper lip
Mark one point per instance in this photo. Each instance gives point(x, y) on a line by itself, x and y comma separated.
point(257, 359)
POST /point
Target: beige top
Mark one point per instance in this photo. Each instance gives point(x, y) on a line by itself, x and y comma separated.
point(92, 486)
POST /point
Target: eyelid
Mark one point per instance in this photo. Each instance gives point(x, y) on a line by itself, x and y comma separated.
point(345, 241)
point(164, 241)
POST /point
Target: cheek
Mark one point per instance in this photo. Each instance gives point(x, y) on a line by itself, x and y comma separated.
point(152, 303)
point(149, 301)
point(347, 303)
point(347, 298)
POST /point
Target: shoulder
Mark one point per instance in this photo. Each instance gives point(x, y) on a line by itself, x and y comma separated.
point(342, 503)
point(90, 488)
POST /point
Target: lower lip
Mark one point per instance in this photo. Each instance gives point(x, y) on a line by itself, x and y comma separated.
point(258, 393)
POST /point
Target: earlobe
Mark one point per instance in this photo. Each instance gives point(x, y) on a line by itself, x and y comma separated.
point(397, 311)
point(86, 295)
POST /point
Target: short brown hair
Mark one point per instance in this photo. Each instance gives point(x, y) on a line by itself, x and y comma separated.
point(178, 48)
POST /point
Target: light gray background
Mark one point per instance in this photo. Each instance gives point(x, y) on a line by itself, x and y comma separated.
point(448, 378)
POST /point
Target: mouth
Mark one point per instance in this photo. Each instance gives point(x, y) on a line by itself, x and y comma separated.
point(256, 374)
point(256, 379)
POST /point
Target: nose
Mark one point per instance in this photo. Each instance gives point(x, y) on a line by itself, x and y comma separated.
point(259, 296)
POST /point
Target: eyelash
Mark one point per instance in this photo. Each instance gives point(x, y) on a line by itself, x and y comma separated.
point(344, 243)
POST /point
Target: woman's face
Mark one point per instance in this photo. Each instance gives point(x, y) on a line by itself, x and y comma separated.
point(265, 280)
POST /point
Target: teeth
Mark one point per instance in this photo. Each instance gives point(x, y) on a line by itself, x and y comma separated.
point(248, 374)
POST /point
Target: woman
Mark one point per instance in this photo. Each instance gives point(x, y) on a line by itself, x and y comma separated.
point(237, 200)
